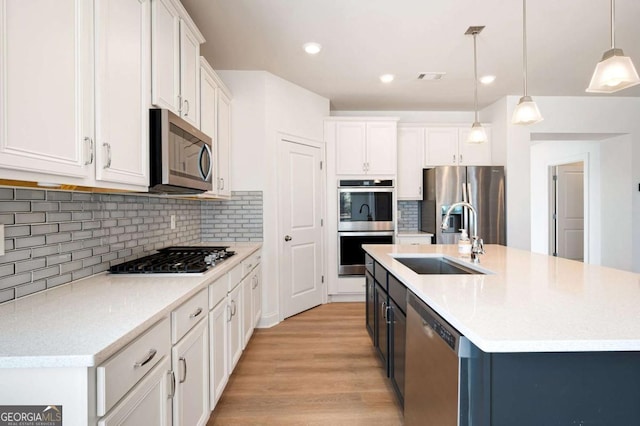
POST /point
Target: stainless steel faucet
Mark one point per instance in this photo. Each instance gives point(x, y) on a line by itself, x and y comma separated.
point(477, 245)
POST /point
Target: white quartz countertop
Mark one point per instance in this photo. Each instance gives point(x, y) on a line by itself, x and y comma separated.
point(83, 323)
point(531, 302)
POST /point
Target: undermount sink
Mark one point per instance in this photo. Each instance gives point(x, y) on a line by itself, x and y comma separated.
point(435, 265)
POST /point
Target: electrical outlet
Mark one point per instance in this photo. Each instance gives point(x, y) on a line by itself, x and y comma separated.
point(173, 221)
point(1, 239)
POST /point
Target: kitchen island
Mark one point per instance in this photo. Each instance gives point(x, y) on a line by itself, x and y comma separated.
point(553, 341)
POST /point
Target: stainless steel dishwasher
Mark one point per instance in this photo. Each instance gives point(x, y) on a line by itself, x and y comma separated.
point(432, 383)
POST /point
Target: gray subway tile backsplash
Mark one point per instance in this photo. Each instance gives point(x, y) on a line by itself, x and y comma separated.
point(55, 237)
point(409, 216)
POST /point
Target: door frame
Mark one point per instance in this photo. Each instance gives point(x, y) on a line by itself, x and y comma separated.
point(580, 158)
point(288, 138)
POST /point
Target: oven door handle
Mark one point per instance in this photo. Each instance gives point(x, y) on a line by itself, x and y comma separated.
point(365, 233)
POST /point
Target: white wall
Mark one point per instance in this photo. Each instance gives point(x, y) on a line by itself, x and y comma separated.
point(264, 106)
point(572, 115)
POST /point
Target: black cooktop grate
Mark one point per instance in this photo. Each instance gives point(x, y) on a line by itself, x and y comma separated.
point(170, 260)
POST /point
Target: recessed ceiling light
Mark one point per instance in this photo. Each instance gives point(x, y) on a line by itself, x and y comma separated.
point(312, 48)
point(387, 78)
point(487, 79)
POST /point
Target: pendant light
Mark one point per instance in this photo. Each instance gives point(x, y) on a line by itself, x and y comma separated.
point(477, 133)
point(526, 111)
point(615, 71)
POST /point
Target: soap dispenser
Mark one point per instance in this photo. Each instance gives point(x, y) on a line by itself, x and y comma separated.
point(464, 244)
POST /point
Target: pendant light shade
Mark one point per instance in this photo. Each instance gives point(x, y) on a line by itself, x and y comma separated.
point(477, 133)
point(526, 111)
point(615, 71)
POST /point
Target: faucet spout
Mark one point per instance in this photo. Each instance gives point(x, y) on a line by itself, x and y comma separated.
point(477, 246)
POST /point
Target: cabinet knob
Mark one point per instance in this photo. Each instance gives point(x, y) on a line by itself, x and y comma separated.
point(287, 238)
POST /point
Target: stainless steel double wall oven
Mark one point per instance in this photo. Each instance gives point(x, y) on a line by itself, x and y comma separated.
point(365, 216)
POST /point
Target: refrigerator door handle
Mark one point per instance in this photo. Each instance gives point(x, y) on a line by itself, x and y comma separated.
point(464, 193)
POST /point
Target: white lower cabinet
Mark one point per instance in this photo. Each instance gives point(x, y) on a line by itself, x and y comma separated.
point(247, 309)
point(218, 339)
point(190, 364)
point(148, 403)
point(256, 294)
point(234, 319)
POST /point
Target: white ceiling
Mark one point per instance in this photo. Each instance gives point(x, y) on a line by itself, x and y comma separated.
point(363, 39)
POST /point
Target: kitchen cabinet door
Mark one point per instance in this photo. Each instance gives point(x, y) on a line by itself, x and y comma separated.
point(441, 148)
point(234, 324)
point(397, 343)
point(351, 148)
point(165, 55)
point(190, 364)
point(189, 75)
point(256, 293)
point(46, 88)
point(247, 310)
point(218, 351)
point(208, 110)
point(223, 106)
point(474, 154)
point(148, 403)
point(381, 148)
point(410, 162)
point(382, 326)
point(122, 91)
point(370, 307)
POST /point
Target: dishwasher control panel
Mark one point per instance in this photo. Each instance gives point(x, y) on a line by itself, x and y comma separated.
point(431, 319)
point(444, 334)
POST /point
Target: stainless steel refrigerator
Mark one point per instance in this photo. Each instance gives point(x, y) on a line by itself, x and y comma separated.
point(483, 186)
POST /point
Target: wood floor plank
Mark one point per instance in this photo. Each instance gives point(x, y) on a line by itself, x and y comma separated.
point(316, 368)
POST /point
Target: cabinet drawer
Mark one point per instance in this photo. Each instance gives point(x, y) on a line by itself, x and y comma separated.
point(123, 370)
point(235, 276)
point(368, 263)
point(250, 262)
point(188, 315)
point(413, 239)
point(398, 292)
point(380, 274)
point(218, 290)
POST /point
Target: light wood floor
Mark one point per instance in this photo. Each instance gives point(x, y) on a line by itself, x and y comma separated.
point(316, 368)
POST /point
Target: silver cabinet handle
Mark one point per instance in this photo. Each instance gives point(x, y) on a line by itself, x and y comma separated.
point(419, 190)
point(149, 357)
point(186, 101)
point(386, 314)
point(249, 266)
point(234, 309)
point(90, 141)
point(461, 160)
point(196, 313)
point(180, 104)
point(173, 384)
point(108, 146)
point(184, 363)
point(229, 314)
point(222, 181)
point(287, 238)
point(383, 310)
point(454, 158)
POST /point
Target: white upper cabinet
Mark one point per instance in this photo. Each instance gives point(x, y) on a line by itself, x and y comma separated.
point(122, 91)
point(165, 55)
point(410, 159)
point(46, 87)
point(446, 146)
point(215, 121)
point(175, 60)
point(61, 59)
point(366, 148)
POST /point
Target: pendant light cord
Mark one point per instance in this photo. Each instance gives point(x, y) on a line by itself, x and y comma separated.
point(475, 75)
point(524, 45)
point(613, 24)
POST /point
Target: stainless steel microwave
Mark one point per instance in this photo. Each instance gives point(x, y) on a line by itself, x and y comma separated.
point(181, 156)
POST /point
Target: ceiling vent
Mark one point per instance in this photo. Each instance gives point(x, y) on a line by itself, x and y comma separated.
point(431, 75)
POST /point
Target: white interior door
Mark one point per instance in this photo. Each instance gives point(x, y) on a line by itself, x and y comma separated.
point(570, 211)
point(300, 187)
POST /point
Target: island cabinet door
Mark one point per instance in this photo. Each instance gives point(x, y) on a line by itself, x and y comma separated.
point(382, 325)
point(370, 305)
point(397, 343)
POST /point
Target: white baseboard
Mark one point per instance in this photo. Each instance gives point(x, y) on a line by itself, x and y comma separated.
point(268, 321)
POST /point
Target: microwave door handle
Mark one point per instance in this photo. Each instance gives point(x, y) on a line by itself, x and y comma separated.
point(205, 148)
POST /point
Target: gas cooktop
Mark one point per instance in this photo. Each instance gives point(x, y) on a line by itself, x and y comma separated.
point(175, 260)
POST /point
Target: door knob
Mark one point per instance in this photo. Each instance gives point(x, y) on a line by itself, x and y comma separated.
point(287, 238)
